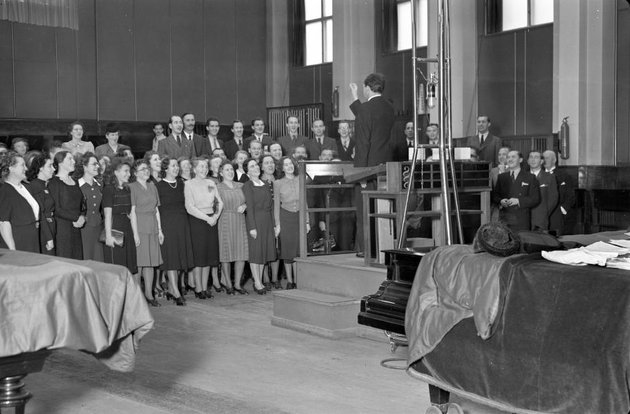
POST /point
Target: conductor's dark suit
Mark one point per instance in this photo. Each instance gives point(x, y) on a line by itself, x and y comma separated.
point(525, 187)
point(373, 127)
point(566, 200)
point(169, 147)
point(489, 150)
point(548, 201)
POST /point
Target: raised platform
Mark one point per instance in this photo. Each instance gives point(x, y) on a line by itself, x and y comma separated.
point(328, 297)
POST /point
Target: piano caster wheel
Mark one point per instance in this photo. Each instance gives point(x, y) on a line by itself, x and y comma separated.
point(448, 408)
point(433, 410)
point(455, 408)
point(393, 346)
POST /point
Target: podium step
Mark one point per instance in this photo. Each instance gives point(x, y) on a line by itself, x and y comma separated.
point(316, 313)
point(339, 275)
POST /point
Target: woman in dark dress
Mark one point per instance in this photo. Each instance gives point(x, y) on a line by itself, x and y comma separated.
point(177, 247)
point(268, 173)
point(87, 171)
point(116, 208)
point(39, 173)
point(69, 207)
point(19, 211)
point(259, 220)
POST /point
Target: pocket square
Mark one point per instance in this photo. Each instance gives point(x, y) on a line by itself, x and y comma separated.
point(523, 184)
point(543, 185)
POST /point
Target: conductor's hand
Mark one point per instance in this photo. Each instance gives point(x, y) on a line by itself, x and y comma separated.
point(354, 91)
point(253, 233)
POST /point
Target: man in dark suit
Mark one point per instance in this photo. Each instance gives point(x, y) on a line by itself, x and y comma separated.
point(175, 145)
point(516, 193)
point(548, 192)
point(561, 216)
point(404, 143)
point(292, 139)
point(487, 144)
point(319, 142)
point(195, 140)
point(238, 142)
point(346, 144)
point(372, 133)
point(258, 126)
point(211, 141)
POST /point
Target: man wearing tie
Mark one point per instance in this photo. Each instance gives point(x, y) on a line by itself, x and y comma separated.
point(212, 141)
point(346, 149)
point(561, 217)
point(319, 142)
point(258, 126)
point(195, 140)
point(548, 192)
point(516, 193)
point(487, 144)
point(292, 139)
point(238, 142)
point(176, 145)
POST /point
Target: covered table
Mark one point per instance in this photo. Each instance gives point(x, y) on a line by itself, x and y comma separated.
point(48, 303)
point(558, 341)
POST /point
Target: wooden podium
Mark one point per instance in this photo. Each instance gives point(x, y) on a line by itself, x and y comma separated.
point(383, 208)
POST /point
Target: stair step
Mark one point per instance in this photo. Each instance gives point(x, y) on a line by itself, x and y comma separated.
point(317, 313)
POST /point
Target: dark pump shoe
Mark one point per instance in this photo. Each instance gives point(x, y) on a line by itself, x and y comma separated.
point(360, 254)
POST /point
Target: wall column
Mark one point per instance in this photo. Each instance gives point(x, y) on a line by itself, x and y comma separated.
point(277, 53)
point(584, 78)
point(353, 50)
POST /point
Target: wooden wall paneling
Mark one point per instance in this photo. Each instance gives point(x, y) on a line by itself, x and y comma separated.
point(220, 46)
point(67, 100)
point(86, 62)
point(187, 56)
point(115, 70)
point(152, 59)
point(496, 81)
point(35, 71)
point(623, 85)
point(251, 63)
point(6, 70)
point(520, 71)
point(539, 80)
point(302, 85)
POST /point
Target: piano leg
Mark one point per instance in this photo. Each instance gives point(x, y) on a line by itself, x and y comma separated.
point(13, 394)
point(439, 399)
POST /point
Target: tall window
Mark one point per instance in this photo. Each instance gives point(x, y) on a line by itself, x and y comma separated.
point(318, 31)
point(515, 14)
point(403, 15)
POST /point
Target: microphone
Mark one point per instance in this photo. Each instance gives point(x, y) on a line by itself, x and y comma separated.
point(431, 95)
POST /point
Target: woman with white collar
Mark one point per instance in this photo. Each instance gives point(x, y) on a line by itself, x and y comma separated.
point(88, 169)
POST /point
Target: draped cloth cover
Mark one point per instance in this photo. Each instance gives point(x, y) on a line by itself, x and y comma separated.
point(53, 13)
point(49, 303)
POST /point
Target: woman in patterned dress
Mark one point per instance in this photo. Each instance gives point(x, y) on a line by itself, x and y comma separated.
point(232, 229)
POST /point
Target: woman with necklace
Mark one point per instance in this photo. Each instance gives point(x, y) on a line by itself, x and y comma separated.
point(177, 246)
point(146, 225)
point(286, 193)
point(268, 166)
point(76, 145)
point(116, 208)
point(87, 171)
point(232, 229)
point(69, 207)
point(39, 173)
point(204, 206)
point(261, 240)
point(19, 211)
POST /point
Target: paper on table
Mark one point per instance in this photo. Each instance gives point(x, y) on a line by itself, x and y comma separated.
point(621, 243)
point(606, 248)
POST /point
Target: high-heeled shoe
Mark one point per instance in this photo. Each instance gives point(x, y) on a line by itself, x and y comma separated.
point(261, 291)
point(180, 301)
point(267, 286)
point(209, 294)
point(217, 289)
point(153, 302)
point(229, 291)
point(290, 286)
point(277, 285)
point(169, 296)
point(241, 291)
point(200, 295)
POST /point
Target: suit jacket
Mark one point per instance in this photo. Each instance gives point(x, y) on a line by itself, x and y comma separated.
point(266, 141)
point(548, 201)
point(289, 144)
point(172, 149)
point(489, 150)
point(346, 154)
point(525, 187)
point(204, 147)
point(231, 147)
point(373, 125)
point(566, 200)
point(314, 148)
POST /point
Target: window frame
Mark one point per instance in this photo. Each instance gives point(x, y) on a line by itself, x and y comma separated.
point(493, 22)
point(389, 28)
point(323, 20)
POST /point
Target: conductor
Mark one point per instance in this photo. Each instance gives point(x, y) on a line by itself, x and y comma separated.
point(373, 125)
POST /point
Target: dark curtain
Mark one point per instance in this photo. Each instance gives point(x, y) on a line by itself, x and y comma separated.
point(296, 32)
point(494, 13)
point(389, 24)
